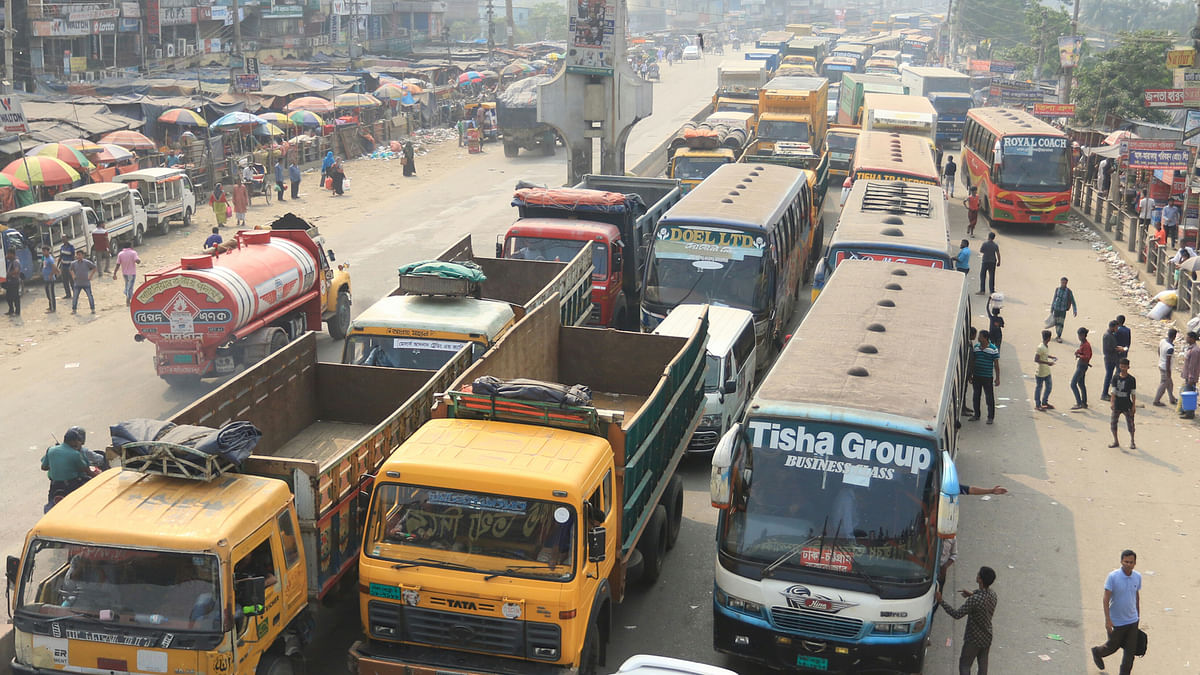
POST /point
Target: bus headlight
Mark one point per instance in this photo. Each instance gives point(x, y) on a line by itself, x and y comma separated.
point(899, 628)
point(738, 604)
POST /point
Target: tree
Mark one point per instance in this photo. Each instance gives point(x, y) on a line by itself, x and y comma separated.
point(1037, 55)
point(1113, 81)
point(548, 21)
point(999, 22)
point(1112, 16)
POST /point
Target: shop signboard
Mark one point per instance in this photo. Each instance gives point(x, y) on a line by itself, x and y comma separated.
point(92, 14)
point(1164, 98)
point(1191, 129)
point(1181, 58)
point(1054, 109)
point(130, 25)
point(981, 66)
point(104, 26)
point(12, 116)
point(177, 16)
point(1159, 159)
point(131, 10)
point(152, 24)
point(1005, 67)
point(61, 28)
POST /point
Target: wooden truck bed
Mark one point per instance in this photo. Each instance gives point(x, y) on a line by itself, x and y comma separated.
point(323, 440)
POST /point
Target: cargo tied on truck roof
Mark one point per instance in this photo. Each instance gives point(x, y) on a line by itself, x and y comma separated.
point(215, 312)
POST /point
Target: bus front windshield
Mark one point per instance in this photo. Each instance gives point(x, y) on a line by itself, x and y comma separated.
point(834, 499)
point(507, 536)
point(697, 168)
point(400, 352)
point(783, 130)
point(714, 265)
point(1035, 163)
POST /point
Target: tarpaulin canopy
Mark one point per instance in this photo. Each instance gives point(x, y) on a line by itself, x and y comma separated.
point(572, 199)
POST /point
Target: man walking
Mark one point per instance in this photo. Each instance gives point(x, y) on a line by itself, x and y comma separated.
point(1063, 300)
point(962, 262)
point(1043, 359)
point(241, 203)
point(294, 176)
point(985, 376)
point(12, 283)
point(1170, 221)
point(279, 187)
point(127, 262)
point(1083, 361)
point(1166, 354)
point(990, 253)
point(1145, 206)
point(66, 256)
point(948, 174)
point(1108, 348)
point(1124, 336)
point(101, 254)
point(1191, 370)
point(972, 204)
point(1124, 402)
point(1122, 609)
point(82, 271)
point(978, 608)
point(49, 274)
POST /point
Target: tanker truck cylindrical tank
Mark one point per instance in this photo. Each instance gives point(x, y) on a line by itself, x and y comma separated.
point(205, 301)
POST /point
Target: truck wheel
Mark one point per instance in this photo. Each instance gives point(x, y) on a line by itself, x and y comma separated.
point(589, 656)
point(274, 664)
point(547, 147)
point(278, 341)
point(673, 499)
point(164, 226)
point(653, 545)
point(139, 235)
point(511, 149)
point(187, 217)
point(339, 324)
point(181, 381)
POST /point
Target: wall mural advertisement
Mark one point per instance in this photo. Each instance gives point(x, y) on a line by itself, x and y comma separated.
point(592, 50)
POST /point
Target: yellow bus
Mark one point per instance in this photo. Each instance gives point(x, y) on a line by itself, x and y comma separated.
point(888, 156)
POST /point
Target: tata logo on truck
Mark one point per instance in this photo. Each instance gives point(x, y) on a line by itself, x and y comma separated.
point(853, 445)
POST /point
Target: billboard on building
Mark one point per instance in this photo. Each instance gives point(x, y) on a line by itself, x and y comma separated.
point(592, 49)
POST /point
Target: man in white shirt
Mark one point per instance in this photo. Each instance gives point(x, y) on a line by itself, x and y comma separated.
point(1145, 208)
point(1166, 353)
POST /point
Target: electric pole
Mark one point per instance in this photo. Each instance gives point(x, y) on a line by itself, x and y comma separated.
point(9, 36)
point(950, 27)
point(237, 29)
point(1069, 71)
point(491, 32)
point(508, 23)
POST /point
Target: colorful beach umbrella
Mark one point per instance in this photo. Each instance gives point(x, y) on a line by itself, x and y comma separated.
point(305, 118)
point(470, 76)
point(276, 118)
point(240, 120)
point(353, 100)
point(112, 153)
point(66, 153)
point(412, 87)
point(7, 181)
point(182, 117)
point(390, 91)
point(83, 145)
point(312, 104)
point(128, 139)
point(267, 129)
point(38, 170)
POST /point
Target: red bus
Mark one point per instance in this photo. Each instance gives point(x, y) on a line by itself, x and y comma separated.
point(1021, 165)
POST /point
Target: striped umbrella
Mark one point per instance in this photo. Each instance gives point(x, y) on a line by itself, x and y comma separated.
point(83, 145)
point(469, 76)
point(276, 118)
point(239, 120)
point(390, 91)
point(267, 129)
point(312, 104)
point(305, 118)
point(412, 87)
point(112, 153)
point(66, 153)
point(38, 170)
point(128, 139)
point(183, 117)
point(12, 182)
point(353, 100)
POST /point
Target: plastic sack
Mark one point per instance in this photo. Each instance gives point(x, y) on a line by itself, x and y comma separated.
point(1160, 311)
point(228, 210)
point(1049, 322)
point(345, 184)
point(997, 299)
point(1168, 297)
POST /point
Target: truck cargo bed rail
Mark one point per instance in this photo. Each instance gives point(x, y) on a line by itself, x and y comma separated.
point(173, 460)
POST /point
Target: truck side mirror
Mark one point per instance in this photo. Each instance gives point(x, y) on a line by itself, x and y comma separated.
point(14, 564)
point(331, 256)
point(250, 594)
point(719, 483)
point(617, 260)
point(730, 386)
point(499, 246)
point(597, 542)
point(948, 499)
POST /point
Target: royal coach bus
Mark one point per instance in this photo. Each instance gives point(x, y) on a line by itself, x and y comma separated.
point(889, 221)
point(1020, 164)
point(743, 238)
point(838, 484)
point(883, 156)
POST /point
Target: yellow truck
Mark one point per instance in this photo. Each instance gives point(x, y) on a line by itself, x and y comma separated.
point(180, 563)
point(427, 318)
point(697, 150)
point(502, 534)
point(792, 121)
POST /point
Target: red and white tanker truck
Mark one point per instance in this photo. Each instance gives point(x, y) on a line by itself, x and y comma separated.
point(213, 313)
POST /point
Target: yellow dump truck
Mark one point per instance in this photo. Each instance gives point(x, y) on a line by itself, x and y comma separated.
point(501, 536)
point(792, 120)
point(179, 562)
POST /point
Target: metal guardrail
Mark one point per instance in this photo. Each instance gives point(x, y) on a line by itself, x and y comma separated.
point(1151, 257)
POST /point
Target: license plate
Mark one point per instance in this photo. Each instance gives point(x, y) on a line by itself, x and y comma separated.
point(813, 662)
point(225, 364)
point(1035, 217)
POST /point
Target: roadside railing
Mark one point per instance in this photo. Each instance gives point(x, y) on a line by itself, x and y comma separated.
point(1152, 257)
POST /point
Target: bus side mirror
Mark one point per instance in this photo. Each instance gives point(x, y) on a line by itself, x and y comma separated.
point(499, 246)
point(14, 564)
point(720, 480)
point(948, 499)
point(597, 542)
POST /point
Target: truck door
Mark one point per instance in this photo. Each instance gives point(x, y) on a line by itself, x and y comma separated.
point(258, 556)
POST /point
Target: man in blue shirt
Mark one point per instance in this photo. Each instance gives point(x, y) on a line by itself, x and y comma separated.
point(279, 179)
point(294, 177)
point(1122, 608)
point(985, 375)
point(214, 239)
point(1170, 221)
point(962, 261)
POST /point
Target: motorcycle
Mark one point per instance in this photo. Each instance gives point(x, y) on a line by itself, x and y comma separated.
point(652, 72)
point(96, 462)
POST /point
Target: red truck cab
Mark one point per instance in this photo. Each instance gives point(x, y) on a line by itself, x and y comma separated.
point(559, 239)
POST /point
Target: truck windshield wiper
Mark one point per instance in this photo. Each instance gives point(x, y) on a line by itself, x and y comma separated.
point(72, 615)
point(513, 568)
point(875, 586)
point(405, 564)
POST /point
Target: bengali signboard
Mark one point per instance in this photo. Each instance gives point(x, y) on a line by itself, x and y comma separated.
point(1005, 67)
point(591, 49)
point(1167, 160)
point(1164, 98)
point(1181, 58)
point(1054, 109)
point(981, 66)
point(152, 25)
point(92, 14)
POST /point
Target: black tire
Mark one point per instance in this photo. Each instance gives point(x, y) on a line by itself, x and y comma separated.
point(547, 145)
point(275, 664)
point(164, 226)
point(653, 546)
point(589, 656)
point(176, 381)
point(985, 210)
point(673, 499)
point(114, 247)
point(279, 340)
point(139, 235)
point(187, 217)
point(511, 149)
point(339, 324)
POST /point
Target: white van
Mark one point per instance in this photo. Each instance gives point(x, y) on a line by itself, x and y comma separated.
point(729, 371)
point(167, 194)
point(118, 208)
point(44, 224)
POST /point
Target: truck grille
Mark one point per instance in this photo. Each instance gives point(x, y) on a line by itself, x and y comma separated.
point(815, 624)
point(704, 440)
point(594, 315)
point(486, 634)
